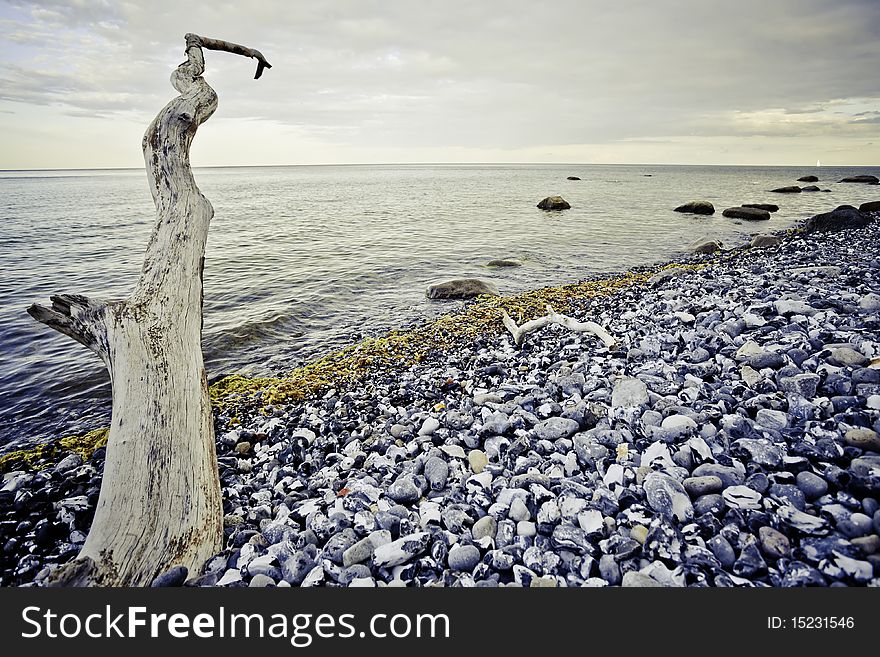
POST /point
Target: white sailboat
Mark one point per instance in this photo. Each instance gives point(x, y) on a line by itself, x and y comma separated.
point(818, 164)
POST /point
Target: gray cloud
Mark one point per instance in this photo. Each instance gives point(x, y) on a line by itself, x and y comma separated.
point(499, 75)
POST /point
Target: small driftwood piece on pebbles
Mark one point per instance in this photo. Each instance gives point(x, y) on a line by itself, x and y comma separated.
point(160, 504)
point(519, 333)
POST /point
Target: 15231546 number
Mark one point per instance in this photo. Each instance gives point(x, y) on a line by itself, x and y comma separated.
point(810, 623)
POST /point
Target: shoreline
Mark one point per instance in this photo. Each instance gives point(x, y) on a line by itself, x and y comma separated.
point(449, 446)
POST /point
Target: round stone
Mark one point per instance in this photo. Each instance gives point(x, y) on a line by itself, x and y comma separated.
point(846, 357)
point(774, 544)
point(811, 485)
point(478, 460)
point(699, 486)
point(866, 439)
point(464, 558)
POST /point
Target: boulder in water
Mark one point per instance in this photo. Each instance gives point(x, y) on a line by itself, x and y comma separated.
point(808, 179)
point(503, 262)
point(572, 178)
point(697, 207)
point(791, 189)
point(867, 180)
point(461, 288)
point(841, 218)
point(554, 203)
point(769, 207)
point(870, 206)
point(749, 214)
point(810, 188)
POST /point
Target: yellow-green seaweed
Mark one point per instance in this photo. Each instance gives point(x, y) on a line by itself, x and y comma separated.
point(400, 349)
point(44, 454)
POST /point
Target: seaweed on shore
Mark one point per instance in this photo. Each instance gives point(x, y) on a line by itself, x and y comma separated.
point(45, 454)
point(400, 349)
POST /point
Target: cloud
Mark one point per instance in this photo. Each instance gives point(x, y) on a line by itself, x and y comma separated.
point(518, 74)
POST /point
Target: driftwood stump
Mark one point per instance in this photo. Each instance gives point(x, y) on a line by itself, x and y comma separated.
point(160, 503)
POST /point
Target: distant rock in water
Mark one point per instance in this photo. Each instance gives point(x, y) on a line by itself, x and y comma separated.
point(501, 262)
point(846, 216)
point(705, 246)
point(572, 178)
point(697, 207)
point(554, 203)
point(870, 206)
point(810, 188)
point(769, 207)
point(868, 180)
point(791, 189)
point(808, 179)
point(461, 288)
point(749, 214)
point(763, 241)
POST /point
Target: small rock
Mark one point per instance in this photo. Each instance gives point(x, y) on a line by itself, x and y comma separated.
point(554, 428)
point(429, 426)
point(866, 439)
point(768, 419)
point(404, 490)
point(478, 460)
point(846, 357)
point(634, 579)
point(436, 472)
point(629, 391)
point(174, 577)
point(668, 497)
point(811, 485)
point(463, 558)
point(400, 551)
point(485, 526)
point(741, 497)
point(699, 486)
point(774, 544)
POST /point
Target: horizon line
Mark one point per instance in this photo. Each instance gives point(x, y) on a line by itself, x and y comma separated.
point(373, 164)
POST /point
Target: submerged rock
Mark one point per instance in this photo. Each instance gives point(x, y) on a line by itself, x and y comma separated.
point(697, 207)
point(749, 214)
point(554, 203)
point(502, 262)
point(461, 288)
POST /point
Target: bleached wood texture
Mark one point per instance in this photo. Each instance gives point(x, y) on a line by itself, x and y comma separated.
point(160, 503)
point(519, 333)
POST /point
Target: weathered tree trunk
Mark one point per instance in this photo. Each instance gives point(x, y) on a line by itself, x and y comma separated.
point(160, 502)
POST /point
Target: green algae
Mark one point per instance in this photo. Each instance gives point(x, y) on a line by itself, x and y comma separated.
point(401, 349)
point(43, 455)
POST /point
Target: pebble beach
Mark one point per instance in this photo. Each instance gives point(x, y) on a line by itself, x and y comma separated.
point(728, 438)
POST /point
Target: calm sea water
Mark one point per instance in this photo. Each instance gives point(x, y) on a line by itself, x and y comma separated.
point(303, 259)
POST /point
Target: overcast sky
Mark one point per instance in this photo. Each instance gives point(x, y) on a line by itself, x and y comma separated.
point(677, 81)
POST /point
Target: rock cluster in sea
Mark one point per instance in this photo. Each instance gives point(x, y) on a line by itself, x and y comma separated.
point(729, 439)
